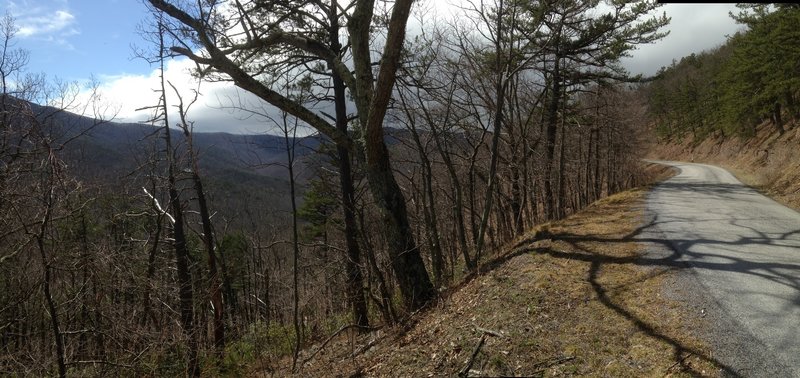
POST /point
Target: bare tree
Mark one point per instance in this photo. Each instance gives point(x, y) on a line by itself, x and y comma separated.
point(185, 290)
point(39, 200)
point(236, 55)
point(355, 279)
point(583, 48)
point(207, 235)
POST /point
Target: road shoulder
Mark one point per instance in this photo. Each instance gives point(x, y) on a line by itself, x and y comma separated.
point(737, 351)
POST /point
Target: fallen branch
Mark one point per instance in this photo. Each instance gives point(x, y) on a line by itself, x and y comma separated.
point(465, 370)
point(551, 362)
point(158, 207)
point(679, 361)
point(489, 332)
point(365, 347)
point(331, 337)
point(484, 332)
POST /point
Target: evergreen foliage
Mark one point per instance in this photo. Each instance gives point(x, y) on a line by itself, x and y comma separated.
point(753, 77)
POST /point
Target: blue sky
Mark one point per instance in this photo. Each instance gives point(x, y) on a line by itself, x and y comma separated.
point(78, 39)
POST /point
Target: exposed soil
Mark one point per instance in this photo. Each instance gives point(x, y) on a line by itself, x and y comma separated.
point(567, 299)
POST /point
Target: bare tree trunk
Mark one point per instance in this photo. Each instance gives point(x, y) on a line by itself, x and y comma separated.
point(561, 209)
point(458, 192)
point(429, 210)
point(428, 200)
point(385, 301)
point(214, 282)
point(182, 264)
point(151, 258)
point(178, 231)
point(500, 96)
point(407, 263)
point(517, 199)
point(473, 213)
point(776, 116)
point(355, 278)
point(551, 125)
point(290, 149)
point(589, 179)
point(598, 179)
point(47, 272)
point(791, 104)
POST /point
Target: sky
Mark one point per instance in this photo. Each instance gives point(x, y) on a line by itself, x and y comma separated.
point(80, 40)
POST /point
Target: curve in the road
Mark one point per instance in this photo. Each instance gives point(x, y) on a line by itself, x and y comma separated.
point(742, 253)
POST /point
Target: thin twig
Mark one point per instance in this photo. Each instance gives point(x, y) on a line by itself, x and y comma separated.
point(484, 332)
point(551, 362)
point(339, 331)
point(102, 362)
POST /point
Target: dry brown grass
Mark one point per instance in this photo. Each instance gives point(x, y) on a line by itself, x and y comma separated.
point(566, 301)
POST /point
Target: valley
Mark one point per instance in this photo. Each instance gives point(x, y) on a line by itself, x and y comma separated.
point(489, 191)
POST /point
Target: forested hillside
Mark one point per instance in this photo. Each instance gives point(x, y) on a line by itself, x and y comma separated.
point(737, 105)
point(514, 115)
point(752, 78)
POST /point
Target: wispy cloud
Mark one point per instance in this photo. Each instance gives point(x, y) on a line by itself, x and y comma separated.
point(53, 23)
point(58, 21)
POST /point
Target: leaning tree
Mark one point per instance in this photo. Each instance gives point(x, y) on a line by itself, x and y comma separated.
point(243, 42)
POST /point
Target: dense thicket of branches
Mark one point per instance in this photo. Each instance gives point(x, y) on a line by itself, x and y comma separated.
point(435, 151)
point(752, 78)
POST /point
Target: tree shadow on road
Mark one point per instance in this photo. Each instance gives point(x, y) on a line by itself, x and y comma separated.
point(668, 251)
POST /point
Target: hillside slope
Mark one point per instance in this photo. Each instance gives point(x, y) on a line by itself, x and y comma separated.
point(768, 161)
point(243, 174)
point(569, 298)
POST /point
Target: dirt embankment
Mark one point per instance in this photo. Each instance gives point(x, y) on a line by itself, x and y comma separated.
point(768, 161)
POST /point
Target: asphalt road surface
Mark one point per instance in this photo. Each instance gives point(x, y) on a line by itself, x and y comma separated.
point(739, 253)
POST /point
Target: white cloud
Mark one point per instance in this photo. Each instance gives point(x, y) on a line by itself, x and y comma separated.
point(57, 21)
point(50, 22)
point(129, 92)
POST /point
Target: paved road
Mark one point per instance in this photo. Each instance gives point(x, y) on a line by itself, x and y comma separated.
point(743, 254)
